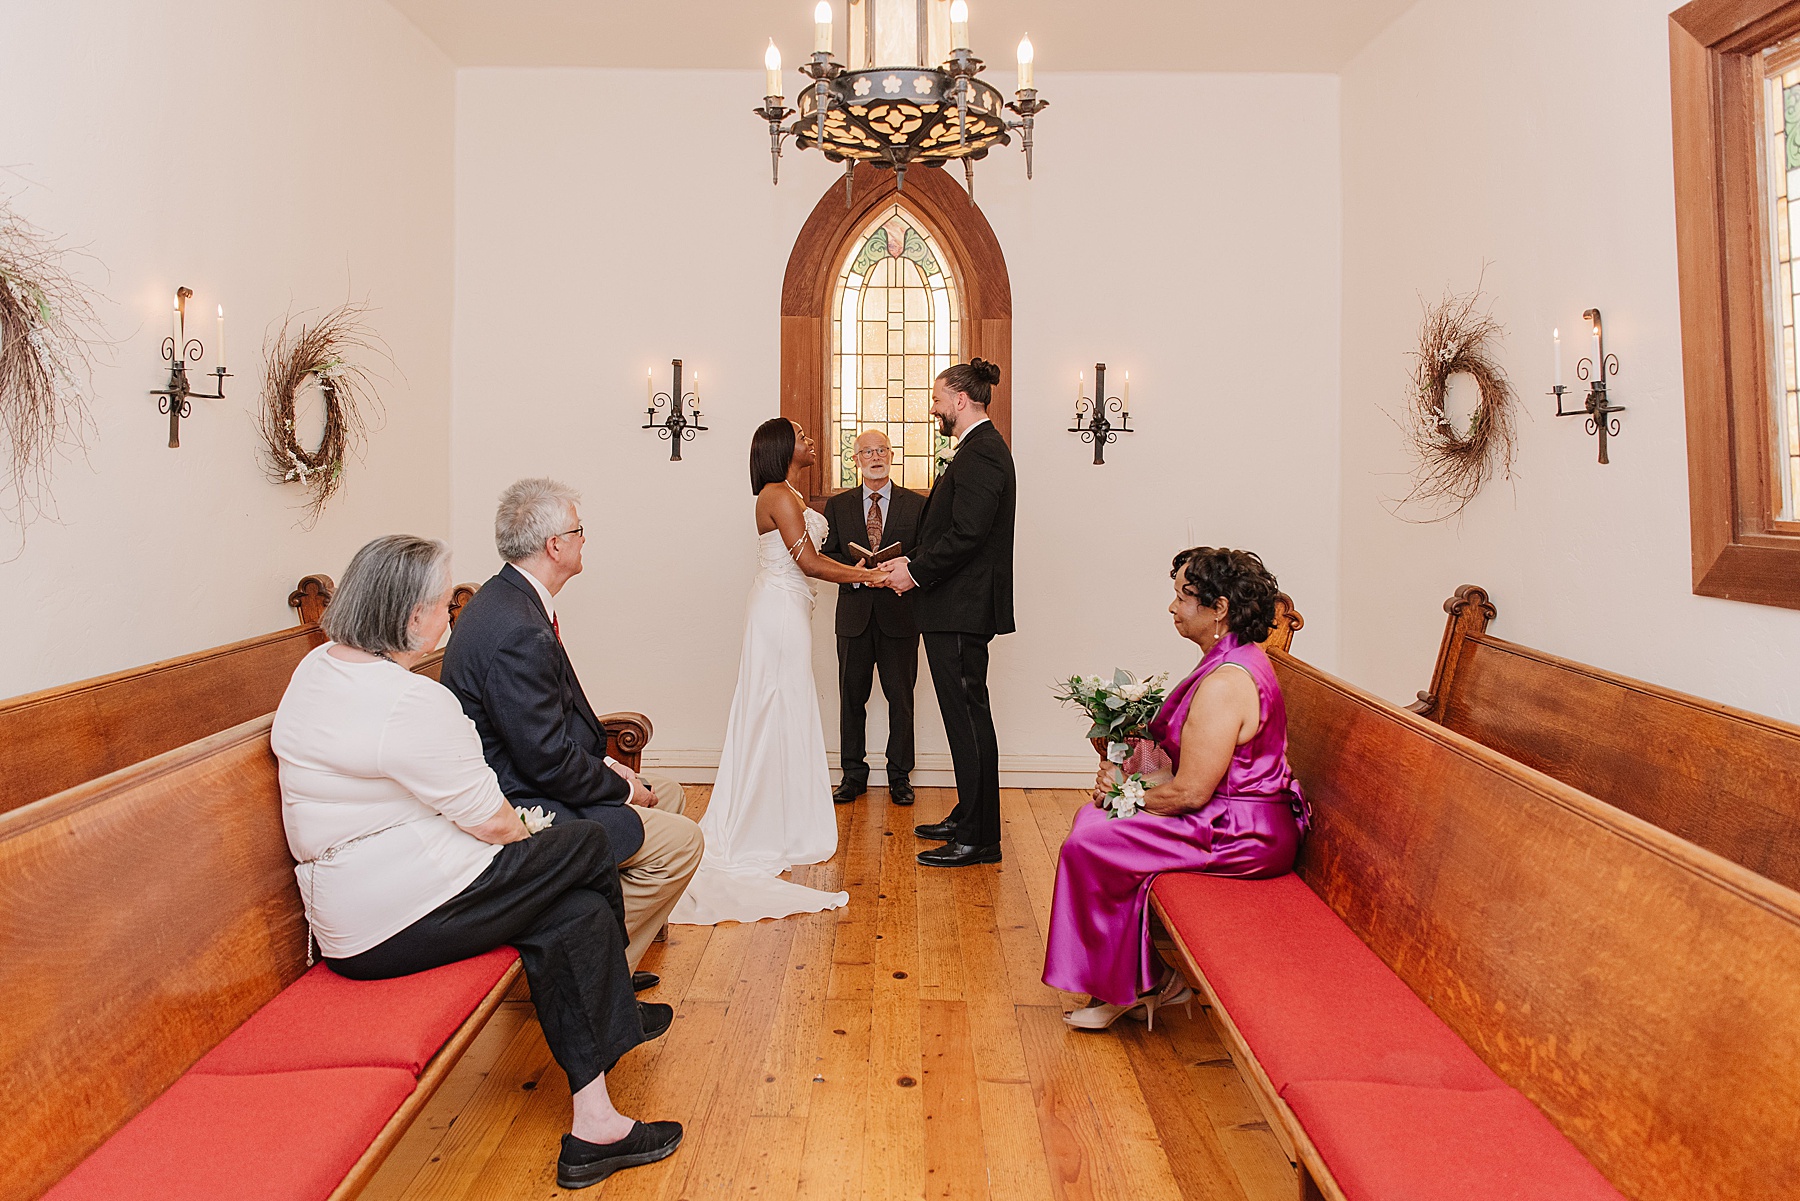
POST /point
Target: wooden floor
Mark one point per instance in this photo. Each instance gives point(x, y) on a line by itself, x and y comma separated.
point(902, 1046)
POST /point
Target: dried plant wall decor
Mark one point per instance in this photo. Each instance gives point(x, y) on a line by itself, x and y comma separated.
point(46, 316)
point(322, 351)
point(1458, 336)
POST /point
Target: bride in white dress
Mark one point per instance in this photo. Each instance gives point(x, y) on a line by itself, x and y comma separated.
point(771, 801)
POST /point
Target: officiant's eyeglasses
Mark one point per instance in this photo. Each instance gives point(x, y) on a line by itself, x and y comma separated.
point(576, 532)
point(872, 452)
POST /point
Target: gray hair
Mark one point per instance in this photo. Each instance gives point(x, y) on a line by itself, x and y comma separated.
point(386, 583)
point(531, 512)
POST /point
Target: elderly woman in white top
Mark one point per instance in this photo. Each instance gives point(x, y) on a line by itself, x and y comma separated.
point(410, 857)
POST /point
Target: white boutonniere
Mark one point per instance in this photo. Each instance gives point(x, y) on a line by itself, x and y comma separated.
point(535, 818)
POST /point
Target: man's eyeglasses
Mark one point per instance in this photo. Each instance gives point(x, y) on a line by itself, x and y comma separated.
point(873, 452)
point(574, 533)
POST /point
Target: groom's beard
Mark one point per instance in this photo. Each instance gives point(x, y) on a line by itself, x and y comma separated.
point(946, 427)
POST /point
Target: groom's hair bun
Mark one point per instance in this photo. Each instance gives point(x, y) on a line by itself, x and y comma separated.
point(974, 379)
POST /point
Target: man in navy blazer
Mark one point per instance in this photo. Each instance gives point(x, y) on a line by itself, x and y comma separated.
point(507, 666)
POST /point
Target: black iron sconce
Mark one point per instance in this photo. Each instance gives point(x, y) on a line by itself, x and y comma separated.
point(678, 425)
point(1596, 407)
point(1098, 429)
point(177, 350)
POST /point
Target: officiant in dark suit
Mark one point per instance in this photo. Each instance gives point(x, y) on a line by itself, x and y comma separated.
point(875, 629)
point(963, 570)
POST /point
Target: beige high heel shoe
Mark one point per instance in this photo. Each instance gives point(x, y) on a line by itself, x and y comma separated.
point(1100, 1015)
point(1174, 991)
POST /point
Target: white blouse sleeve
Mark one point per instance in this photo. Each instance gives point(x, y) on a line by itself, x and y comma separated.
point(431, 748)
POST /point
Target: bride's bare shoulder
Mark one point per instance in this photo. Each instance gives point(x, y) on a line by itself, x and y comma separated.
point(773, 503)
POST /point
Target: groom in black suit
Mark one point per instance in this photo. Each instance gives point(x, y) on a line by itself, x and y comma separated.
point(963, 572)
point(874, 625)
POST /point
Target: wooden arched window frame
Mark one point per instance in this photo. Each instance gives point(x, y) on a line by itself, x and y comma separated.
point(939, 203)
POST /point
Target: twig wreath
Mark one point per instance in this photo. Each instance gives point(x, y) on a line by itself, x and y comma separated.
point(45, 360)
point(1458, 336)
point(321, 351)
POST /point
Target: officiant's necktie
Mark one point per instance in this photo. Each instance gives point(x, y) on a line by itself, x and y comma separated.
point(555, 628)
point(875, 521)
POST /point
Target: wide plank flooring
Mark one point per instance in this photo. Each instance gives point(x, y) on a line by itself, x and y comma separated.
point(901, 1047)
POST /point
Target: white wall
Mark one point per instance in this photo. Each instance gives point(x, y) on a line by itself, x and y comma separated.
point(269, 157)
point(1532, 136)
point(608, 220)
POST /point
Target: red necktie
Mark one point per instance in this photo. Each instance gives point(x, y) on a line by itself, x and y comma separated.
point(554, 628)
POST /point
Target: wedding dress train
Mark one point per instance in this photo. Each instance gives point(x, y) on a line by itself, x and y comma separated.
point(771, 803)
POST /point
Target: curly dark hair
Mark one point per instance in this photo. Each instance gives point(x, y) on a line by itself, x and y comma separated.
point(1208, 572)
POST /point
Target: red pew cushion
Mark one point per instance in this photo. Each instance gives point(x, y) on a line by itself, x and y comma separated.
point(322, 1020)
point(1397, 1143)
point(289, 1136)
point(1309, 996)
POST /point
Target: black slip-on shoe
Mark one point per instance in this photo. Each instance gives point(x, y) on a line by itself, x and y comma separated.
point(846, 792)
point(942, 831)
point(642, 980)
point(900, 792)
point(656, 1018)
point(583, 1163)
point(959, 854)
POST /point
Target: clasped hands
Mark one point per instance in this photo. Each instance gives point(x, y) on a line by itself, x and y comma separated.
point(891, 574)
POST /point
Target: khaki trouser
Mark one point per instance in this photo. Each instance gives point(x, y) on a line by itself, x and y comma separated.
point(654, 878)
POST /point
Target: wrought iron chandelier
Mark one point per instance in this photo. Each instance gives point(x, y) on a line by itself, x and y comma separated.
point(888, 108)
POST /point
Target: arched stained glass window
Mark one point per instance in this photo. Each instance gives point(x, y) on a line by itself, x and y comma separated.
point(896, 321)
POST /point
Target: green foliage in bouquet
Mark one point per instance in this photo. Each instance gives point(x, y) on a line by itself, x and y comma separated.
point(1119, 710)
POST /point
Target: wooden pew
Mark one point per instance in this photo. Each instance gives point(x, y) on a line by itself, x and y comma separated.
point(64, 736)
point(146, 916)
point(1720, 777)
point(1642, 992)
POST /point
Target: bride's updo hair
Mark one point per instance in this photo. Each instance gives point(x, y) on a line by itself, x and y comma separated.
point(771, 453)
point(974, 379)
point(1208, 572)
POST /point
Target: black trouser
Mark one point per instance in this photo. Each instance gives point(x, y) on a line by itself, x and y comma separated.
point(554, 896)
point(959, 664)
point(858, 659)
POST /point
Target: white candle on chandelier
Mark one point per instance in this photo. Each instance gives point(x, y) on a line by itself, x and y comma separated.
point(822, 27)
point(1025, 56)
point(772, 70)
point(959, 25)
point(219, 350)
point(1556, 353)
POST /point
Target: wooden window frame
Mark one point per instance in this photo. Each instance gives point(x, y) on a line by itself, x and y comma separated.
point(1741, 550)
point(942, 207)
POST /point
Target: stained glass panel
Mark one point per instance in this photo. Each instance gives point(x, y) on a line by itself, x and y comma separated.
point(1782, 156)
point(896, 323)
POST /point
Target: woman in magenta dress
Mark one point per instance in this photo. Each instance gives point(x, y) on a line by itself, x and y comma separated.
point(1231, 806)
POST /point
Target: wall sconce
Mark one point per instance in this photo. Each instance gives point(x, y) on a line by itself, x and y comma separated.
point(678, 426)
point(1098, 429)
point(177, 350)
point(1596, 408)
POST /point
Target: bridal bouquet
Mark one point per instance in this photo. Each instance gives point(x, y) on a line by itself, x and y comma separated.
point(1119, 710)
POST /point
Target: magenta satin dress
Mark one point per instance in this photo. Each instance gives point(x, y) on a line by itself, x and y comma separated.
point(1099, 940)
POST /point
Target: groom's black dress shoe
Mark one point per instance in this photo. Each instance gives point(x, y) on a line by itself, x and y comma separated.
point(642, 980)
point(900, 792)
point(959, 854)
point(846, 792)
point(943, 831)
point(583, 1163)
point(657, 1018)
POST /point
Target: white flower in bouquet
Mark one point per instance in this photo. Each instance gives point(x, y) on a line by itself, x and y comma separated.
point(1126, 797)
point(1118, 752)
point(1134, 692)
point(535, 818)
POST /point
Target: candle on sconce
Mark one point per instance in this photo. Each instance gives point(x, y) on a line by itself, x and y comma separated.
point(650, 389)
point(696, 391)
point(959, 25)
point(1556, 353)
point(1080, 387)
point(219, 353)
point(175, 326)
point(772, 70)
point(822, 28)
point(1125, 403)
point(1599, 365)
point(1025, 64)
